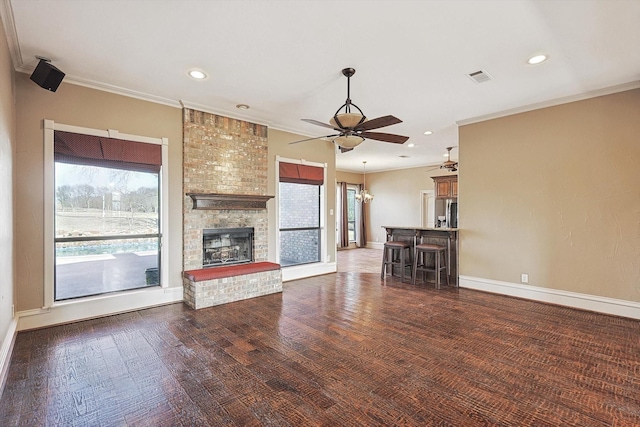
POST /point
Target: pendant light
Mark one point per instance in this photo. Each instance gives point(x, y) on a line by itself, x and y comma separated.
point(364, 195)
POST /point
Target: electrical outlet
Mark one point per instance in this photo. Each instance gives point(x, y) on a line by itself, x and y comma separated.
point(524, 278)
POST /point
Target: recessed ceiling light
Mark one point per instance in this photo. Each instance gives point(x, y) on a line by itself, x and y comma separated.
point(537, 59)
point(242, 107)
point(445, 155)
point(411, 145)
point(197, 74)
point(427, 132)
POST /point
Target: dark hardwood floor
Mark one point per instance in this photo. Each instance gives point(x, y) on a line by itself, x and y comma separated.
point(338, 350)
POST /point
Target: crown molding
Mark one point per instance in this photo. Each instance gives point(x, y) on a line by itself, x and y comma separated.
point(552, 102)
point(296, 132)
point(93, 84)
point(6, 14)
point(117, 90)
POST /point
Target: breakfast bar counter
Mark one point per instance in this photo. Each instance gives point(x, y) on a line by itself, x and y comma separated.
point(447, 237)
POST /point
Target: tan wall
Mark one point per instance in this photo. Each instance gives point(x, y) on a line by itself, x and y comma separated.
point(349, 177)
point(397, 198)
point(555, 193)
point(80, 106)
point(313, 151)
point(7, 144)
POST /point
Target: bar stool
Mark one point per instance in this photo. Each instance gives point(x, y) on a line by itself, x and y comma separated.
point(393, 254)
point(420, 261)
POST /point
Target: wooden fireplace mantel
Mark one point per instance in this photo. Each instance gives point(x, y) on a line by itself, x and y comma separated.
point(229, 201)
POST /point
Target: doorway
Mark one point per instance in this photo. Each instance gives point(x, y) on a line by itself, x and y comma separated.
point(427, 208)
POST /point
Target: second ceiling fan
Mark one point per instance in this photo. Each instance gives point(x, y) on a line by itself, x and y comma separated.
point(448, 164)
point(353, 126)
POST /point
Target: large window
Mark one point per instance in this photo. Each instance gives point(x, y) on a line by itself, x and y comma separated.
point(107, 232)
point(300, 220)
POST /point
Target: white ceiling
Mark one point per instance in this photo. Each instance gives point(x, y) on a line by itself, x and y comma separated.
point(283, 58)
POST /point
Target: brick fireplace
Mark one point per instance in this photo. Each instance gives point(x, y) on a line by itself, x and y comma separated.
point(225, 185)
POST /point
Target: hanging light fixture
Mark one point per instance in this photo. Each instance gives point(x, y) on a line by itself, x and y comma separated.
point(348, 120)
point(364, 195)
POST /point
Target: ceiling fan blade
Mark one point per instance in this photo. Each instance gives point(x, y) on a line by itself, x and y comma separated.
point(386, 137)
point(311, 139)
point(318, 123)
point(450, 167)
point(344, 149)
point(378, 123)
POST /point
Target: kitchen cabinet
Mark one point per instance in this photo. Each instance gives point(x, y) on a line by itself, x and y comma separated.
point(446, 186)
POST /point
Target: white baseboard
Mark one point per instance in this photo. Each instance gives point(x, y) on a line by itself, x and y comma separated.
point(92, 307)
point(5, 352)
point(595, 303)
point(307, 270)
point(375, 245)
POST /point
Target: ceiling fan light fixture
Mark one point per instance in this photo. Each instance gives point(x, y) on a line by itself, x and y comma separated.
point(347, 120)
point(352, 125)
point(449, 164)
point(348, 141)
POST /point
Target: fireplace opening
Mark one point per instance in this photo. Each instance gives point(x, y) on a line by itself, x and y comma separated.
point(227, 246)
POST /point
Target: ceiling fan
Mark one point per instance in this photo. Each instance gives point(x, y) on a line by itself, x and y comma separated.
point(448, 164)
point(353, 127)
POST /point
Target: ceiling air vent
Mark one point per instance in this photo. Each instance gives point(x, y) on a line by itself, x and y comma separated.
point(480, 76)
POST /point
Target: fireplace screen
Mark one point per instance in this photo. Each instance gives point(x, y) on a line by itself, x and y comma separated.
point(225, 246)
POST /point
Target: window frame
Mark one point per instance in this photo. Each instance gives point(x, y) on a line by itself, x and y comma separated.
point(354, 188)
point(49, 206)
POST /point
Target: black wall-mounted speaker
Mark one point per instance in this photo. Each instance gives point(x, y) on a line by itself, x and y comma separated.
point(47, 76)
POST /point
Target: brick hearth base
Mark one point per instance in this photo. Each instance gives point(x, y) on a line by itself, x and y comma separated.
point(219, 285)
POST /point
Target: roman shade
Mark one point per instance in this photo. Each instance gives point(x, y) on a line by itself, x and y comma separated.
point(301, 174)
point(92, 150)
